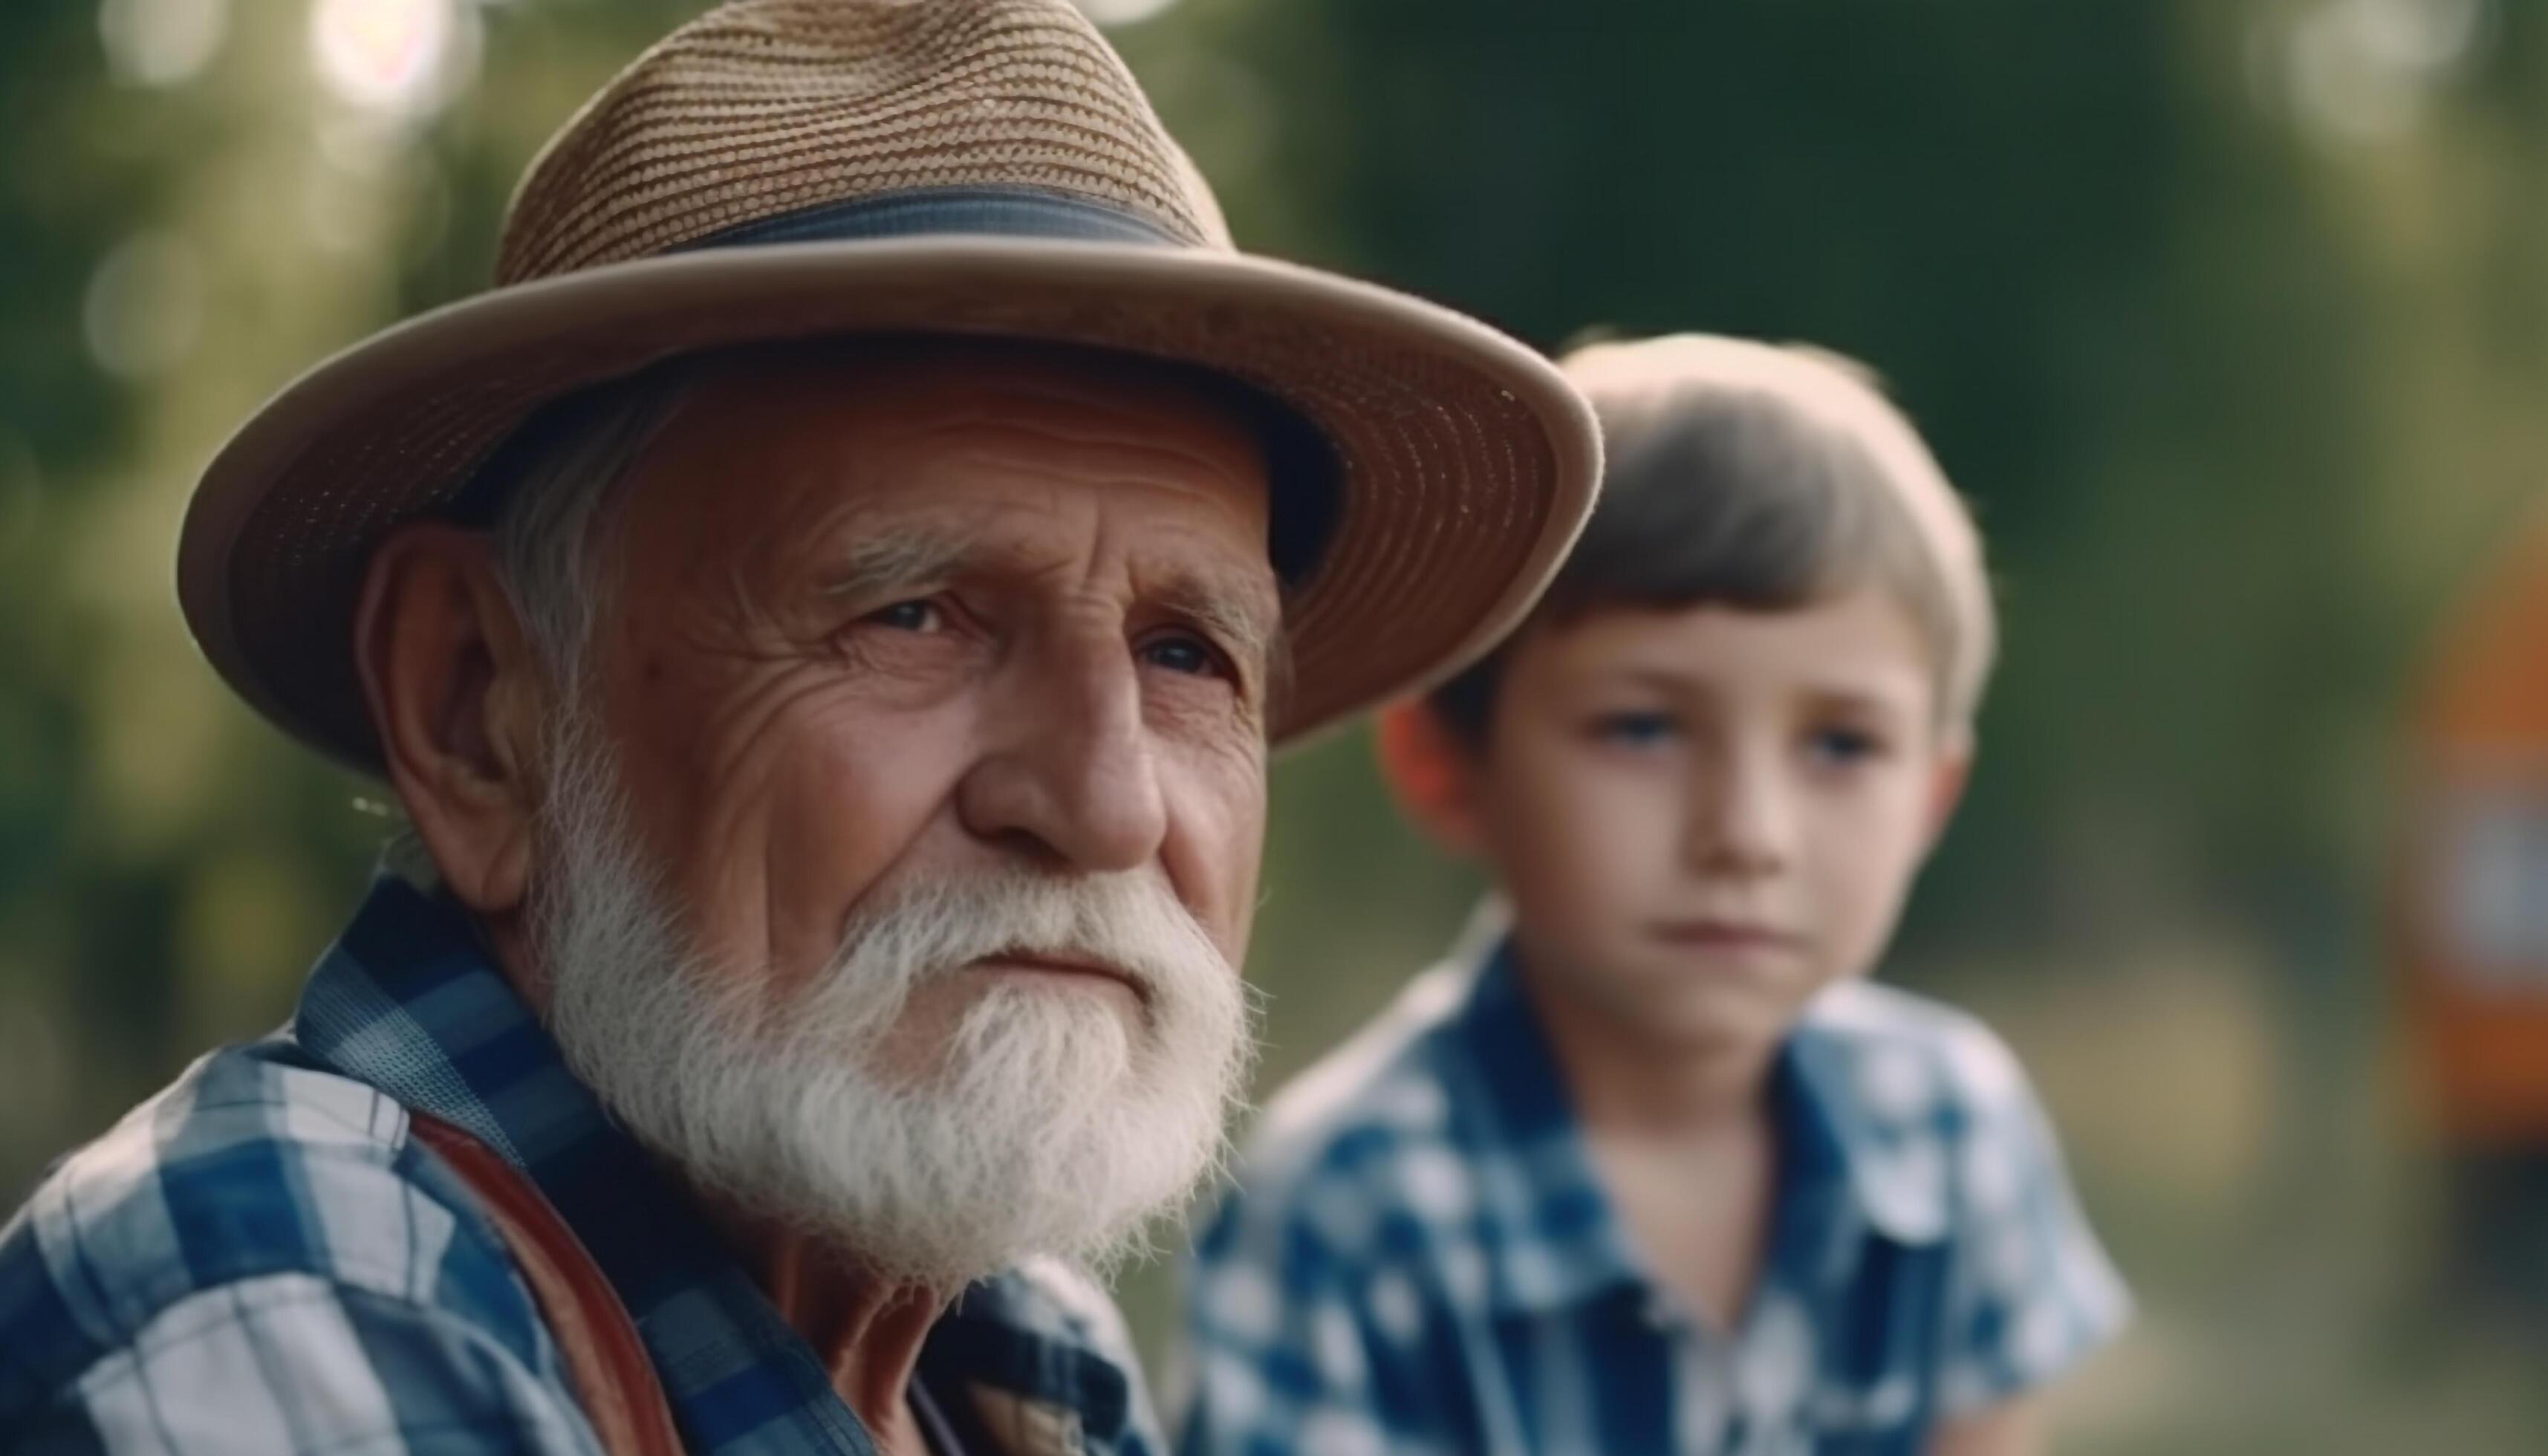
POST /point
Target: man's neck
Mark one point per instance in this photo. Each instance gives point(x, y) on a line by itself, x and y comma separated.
point(866, 1330)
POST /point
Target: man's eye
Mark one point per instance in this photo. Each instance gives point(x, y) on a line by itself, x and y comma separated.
point(910, 616)
point(1186, 655)
point(1637, 729)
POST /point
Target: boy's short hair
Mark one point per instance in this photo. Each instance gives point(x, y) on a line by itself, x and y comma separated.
point(1761, 477)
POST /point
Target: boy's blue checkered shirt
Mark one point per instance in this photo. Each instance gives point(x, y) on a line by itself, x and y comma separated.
point(261, 1259)
point(1419, 1256)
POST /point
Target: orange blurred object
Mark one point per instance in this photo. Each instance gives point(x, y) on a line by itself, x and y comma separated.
point(2474, 888)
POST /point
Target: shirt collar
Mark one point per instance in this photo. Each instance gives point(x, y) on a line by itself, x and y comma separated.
point(1897, 1176)
point(409, 1001)
point(1548, 1233)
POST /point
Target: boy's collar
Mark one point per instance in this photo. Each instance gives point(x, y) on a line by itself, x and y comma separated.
point(1550, 1228)
point(1902, 1180)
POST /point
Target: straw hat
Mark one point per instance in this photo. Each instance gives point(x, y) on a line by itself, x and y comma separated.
point(783, 169)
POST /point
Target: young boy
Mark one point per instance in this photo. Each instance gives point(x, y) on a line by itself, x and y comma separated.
point(1647, 1167)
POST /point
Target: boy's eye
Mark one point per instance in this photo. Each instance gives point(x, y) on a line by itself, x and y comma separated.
point(1841, 747)
point(1635, 729)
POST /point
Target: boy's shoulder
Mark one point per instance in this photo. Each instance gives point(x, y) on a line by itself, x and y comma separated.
point(1903, 1058)
point(1935, 1119)
point(1946, 1147)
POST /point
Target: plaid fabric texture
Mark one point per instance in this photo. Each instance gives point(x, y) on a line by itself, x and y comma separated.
point(260, 1260)
point(1418, 1257)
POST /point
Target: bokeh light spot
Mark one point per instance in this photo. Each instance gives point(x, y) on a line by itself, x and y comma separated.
point(2413, 34)
point(144, 309)
point(395, 56)
point(161, 43)
point(2365, 70)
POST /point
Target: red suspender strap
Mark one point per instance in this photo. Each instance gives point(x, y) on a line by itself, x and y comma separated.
point(607, 1361)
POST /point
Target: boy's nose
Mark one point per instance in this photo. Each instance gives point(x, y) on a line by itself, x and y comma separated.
point(1742, 822)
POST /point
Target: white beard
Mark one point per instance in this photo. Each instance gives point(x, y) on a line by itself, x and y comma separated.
point(1042, 1123)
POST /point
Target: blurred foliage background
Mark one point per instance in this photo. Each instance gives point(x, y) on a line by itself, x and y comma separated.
point(2232, 316)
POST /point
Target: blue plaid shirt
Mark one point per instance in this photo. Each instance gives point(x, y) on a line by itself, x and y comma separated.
point(262, 1260)
point(1419, 1256)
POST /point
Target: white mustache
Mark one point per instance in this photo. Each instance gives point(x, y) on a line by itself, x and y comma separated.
point(897, 942)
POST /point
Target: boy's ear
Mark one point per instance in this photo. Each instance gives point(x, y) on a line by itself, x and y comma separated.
point(1947, 779)
point(1431, 773)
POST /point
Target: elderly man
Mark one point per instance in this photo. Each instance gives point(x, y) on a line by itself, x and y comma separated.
point(824, 614)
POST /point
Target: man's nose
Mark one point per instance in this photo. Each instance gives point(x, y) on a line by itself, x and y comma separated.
point(1067, 770)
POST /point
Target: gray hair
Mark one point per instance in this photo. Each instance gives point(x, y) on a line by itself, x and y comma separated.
point(558, 479)
point(1764, 477)
point(552, 483)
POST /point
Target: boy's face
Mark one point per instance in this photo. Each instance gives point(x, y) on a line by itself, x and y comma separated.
point(1704, 816)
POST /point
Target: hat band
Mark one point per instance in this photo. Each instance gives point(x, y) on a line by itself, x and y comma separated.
point(999, 212)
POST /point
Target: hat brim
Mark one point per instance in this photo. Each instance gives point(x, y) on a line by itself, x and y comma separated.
point(1466, 462)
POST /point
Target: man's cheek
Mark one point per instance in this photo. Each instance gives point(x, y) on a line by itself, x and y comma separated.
point(1214, 854)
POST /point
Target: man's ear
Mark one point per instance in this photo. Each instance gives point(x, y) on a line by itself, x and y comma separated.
point(1948, 777)
point(455, 694)
point(1432, 774)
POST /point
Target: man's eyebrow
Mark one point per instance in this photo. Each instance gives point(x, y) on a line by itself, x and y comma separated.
point(882, 562)
point(897, 557)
